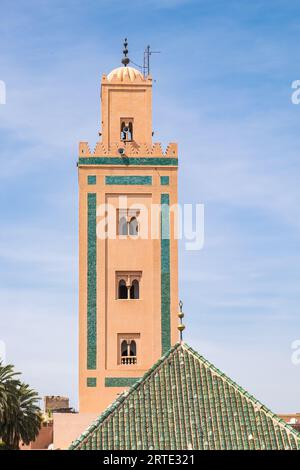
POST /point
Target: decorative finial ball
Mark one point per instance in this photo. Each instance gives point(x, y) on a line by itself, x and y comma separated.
point(125, 60)
point(181, 327)
point(180, 315)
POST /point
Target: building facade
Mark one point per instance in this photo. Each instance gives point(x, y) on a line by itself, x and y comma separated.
point(128, 266)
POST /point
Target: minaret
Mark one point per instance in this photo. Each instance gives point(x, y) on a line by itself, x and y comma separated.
point(128, 263)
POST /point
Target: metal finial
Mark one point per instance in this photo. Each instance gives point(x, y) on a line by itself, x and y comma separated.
point(181, 326)
point(125, 60)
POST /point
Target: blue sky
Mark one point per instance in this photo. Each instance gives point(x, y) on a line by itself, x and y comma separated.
point(223, 91)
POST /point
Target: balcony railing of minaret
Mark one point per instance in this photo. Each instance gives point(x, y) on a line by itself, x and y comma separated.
point(126, 360)
point(128, 149)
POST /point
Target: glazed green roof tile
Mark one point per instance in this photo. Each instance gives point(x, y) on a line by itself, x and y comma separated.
point(184, 402)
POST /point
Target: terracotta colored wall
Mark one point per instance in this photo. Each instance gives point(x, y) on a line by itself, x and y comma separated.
point(68, 426)
point(131, 100)
point(44, 439)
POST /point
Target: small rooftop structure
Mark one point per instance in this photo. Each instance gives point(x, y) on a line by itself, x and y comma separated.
point(56, 403)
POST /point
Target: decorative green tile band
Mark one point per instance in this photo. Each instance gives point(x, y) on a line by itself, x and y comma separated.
point(134, 180)
point(151, 161)
point(91, 381)
point(91, 283)
point(120, 381)
point(164, 180)
point(165, 273)
point(92, 179)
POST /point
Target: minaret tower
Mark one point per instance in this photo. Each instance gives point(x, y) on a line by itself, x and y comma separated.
point(128, 266)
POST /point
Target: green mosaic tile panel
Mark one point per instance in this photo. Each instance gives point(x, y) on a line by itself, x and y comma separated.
point(120, 381)
point(165, 274)
point(129, 180)
point(91, 381)
point(164, 180)
point(184, 402)
point(151, 161)
point(91, 282)
point(92, 179)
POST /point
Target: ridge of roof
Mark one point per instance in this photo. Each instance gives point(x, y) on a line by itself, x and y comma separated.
point(118, 402)
point(244, 392)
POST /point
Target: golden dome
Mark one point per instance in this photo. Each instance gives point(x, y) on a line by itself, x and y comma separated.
point(123, 73)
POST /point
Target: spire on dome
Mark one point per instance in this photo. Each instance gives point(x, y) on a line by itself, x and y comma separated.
point(125, 60)
point(181, 326)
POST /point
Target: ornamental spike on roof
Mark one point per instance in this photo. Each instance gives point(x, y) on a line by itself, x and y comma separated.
point(184, 402)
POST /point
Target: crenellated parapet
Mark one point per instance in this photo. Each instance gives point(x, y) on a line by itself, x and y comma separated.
point(128, 149)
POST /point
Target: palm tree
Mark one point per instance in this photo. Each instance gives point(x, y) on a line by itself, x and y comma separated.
point(7, 384)
point(20, 416)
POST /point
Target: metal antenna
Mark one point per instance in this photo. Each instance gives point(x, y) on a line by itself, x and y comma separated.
point(125, 60)
point(147, 54)
point(181, 326)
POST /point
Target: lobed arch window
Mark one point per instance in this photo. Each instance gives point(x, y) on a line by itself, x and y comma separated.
point(126, 129)
point(135, 289)
point(123, 291)
point(128, 346)
point(128, 223)
point(128, 284)
point(132, 348)
point(124, 350)
point(122, 226)
point(133, 226)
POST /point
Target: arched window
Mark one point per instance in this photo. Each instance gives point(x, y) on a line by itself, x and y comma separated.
point(122, 226)
point(128, 351)
point(135, 290)
point(130, 133)
point(123, 134)
point(126, 130)
point(133, 226)
point(124, 349)
point(122, 290)
point(132, 350)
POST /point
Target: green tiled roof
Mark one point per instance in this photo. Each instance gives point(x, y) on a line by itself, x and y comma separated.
point(184, 402)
